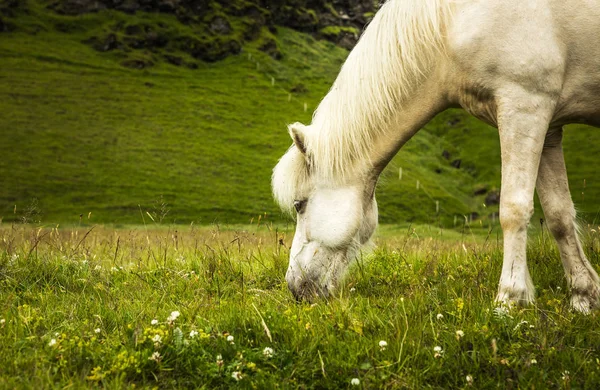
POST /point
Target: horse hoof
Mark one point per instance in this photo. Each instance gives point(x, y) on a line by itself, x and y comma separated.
point(515, 297)
point(584, 301)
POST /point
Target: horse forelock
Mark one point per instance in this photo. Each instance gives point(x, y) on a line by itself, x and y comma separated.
point(291, 179)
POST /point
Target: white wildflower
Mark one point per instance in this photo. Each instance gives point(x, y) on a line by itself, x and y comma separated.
point(469, 379)
point(355, 382)
point(173, 316)
point(219, 360)
point(97, 268)
point(52, 342)
point(157, 339)
point(533, 361)
point(565, 375)
point(501, 313)
point(230, 339)
point(440, 316)
point(352, 289)
point(193, 334)
point(268, 352)
point(13, 259)
point(383, 345)
point(460, 334)
point(236, 375)
point(97, 330)
point(2, 321)
point(438, 351)
point(154, 322)
point(155, 356)
point(519, 324)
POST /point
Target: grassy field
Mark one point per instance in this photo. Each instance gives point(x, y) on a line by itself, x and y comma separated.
point(87, 139)
point(168, 307)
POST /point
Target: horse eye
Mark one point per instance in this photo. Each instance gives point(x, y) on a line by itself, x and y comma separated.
point(299, 205)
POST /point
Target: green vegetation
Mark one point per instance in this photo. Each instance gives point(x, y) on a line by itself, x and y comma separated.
point(87, 136)
point(336, 31)
point(78, 309)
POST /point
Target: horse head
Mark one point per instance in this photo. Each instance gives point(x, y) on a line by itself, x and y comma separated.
point(334, 218)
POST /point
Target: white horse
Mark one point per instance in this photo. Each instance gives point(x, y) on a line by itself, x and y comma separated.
point(527, 67)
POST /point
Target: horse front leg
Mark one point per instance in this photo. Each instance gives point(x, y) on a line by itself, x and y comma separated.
point(522, 123)
point(555, 197)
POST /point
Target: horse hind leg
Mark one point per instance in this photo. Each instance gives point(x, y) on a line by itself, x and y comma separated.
point(553, 191)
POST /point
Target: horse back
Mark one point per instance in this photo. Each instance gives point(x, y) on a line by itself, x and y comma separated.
point(541, 47)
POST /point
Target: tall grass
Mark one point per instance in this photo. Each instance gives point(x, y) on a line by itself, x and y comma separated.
point(77, 309)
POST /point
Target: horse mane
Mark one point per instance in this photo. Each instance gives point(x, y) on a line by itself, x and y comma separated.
point(392, 57)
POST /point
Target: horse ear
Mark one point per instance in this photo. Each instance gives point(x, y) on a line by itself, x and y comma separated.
point(297, 131)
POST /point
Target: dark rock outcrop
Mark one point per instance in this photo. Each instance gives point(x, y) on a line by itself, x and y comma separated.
point(270, 47)
point(220, 25)
point(340, 21)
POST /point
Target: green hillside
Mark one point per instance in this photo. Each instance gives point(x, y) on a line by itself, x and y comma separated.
point(88, 135)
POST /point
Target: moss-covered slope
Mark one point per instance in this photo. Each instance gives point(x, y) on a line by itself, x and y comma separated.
point(180, 139)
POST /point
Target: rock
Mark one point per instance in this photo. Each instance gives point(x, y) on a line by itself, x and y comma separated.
point(155, 39)
point(492, 198)
point(129, 6)
point(347, 41)
point(8, 7)
point(110, 42)
point(270, 47)
point(133, 29)
point(209, 50)
point(301, 18)
point(220, 25)
point(137, 63)
point(345, 37)
point(168, 6)
point(148, 37)
point(78, 7)
point(339, 21)
point(173, 59)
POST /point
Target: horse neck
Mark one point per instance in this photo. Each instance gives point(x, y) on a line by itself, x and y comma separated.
point(425, 103)
point(378, 99)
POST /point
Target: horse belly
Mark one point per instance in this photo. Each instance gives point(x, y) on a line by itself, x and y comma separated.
point(578, 25)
